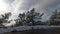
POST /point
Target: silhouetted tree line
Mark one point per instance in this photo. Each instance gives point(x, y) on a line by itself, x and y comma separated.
point(31, 18)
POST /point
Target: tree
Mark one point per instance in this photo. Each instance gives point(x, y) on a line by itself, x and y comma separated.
point(6, 15)
point(53, 18)
point(34, 15)
point(28, 18)
point(4, 18)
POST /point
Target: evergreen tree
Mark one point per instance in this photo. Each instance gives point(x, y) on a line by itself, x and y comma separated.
point(53, 18)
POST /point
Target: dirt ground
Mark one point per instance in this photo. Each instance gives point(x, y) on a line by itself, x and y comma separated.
point(38, 31)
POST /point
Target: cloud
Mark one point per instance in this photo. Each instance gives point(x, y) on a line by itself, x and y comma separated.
point(42, 6)
point(8, 1)
point(45, 6)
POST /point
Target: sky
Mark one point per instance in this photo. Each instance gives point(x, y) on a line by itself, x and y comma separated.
point(19, 6)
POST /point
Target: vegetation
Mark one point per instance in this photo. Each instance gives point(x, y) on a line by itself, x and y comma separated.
point(4, 18)
point(29, 18)
point(55, 18)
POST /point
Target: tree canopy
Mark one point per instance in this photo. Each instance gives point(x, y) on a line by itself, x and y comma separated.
point(54, 19)
point(29, 17)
